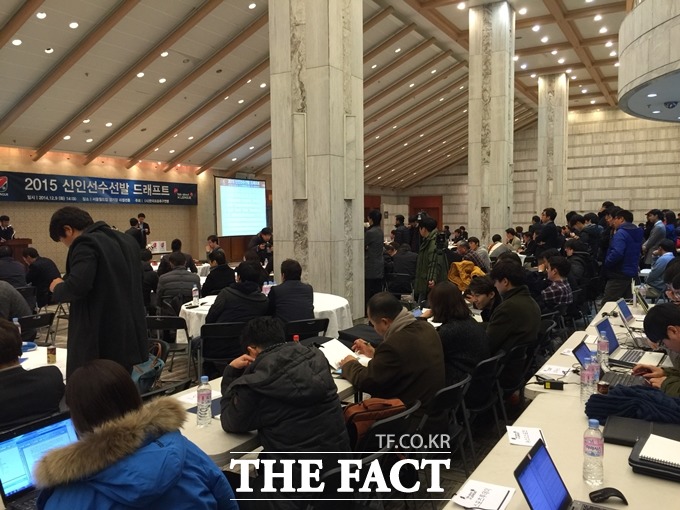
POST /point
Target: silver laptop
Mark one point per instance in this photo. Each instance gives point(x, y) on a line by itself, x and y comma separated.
point(641, 300)
point(542, 484)
point(634, 324)
point(622, 356)
point(21, 448)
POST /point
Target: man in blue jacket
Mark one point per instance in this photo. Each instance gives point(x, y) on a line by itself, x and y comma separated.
point(622, 260)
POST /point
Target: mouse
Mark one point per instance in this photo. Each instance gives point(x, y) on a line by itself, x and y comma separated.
point(604, 494)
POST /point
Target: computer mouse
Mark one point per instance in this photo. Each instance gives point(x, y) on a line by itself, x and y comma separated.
point(604, 494)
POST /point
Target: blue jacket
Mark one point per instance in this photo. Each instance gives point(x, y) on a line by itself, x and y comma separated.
point(655, 277)
point(138, 461)
point(623, 255)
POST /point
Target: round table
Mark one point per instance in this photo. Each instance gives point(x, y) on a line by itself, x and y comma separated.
point(334, 308)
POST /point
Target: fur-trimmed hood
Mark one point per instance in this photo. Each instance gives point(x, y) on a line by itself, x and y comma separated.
point(112, 442)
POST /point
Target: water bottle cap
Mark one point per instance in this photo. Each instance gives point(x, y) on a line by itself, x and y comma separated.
point(204, 379)
point(593, 424)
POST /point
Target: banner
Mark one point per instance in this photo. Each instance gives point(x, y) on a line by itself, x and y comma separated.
point(22, 187)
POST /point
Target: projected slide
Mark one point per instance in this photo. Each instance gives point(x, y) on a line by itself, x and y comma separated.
point(240, 207)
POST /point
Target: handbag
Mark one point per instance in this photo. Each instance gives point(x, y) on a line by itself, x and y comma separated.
point(145, 375)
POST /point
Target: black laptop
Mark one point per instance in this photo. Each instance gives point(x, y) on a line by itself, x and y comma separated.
point(21, 448)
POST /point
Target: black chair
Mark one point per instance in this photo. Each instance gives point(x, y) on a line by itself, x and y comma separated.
point(30, 295)
point(448, 401)
point(162, 324)
point(165, 390)
point(219, 345)
point(62, 312)
point(306, 328)
point(543, 349)
point(37, 322)
point(399, 283)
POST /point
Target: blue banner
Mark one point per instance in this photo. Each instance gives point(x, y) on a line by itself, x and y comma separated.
point(22, 187)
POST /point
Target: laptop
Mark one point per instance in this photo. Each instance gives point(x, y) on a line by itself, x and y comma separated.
point(621, 356)
point(641, 300)
point(21, 448)
point(542, 484)
point(633, 324)
point(614, 378)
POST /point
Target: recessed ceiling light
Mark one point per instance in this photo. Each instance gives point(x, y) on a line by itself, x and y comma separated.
point(392, 170)
point(523, 11)
point(553, 52)
point(251, 147)
point(377, 136)
point(433, 71)
point(422, 134)
point(414, 173)
point(412, 85)
point(164, 54)
point(374, 66)
point(593, 101)
point(609, 44)
point(441, 99)
point(156, 149)
point(49, 50)
point(394, 127)
point(461, 6)
point(252, 6)
point(89, 140)
point(162, 80)
point(560, 61)
point(651, 95)
point(190, 138)
point(227, 97)
point(234, 159)
point(603, 30)
point(67, 137)
point(263, 85)
point(461, 87)
point(536, 28)
point(379, 177)
point(656, 111)
point(515, 58)
point(109, 124)
point(523, 66)
point(241, 101)
point(583, 91)
point(367, 166)
point(248, 81)
point(16, 42)
point(545, 39)
point(444, 141)
point(573, 77)
point(73, 25)
point(464, 111)
point(40, 15)
point(612, 53)
point(533, 75)
point(175, 135)
point(568, 71)
point(597, 17)
point(85, 121)
point(428, 150)
point(405, 144)
point(140, 75)
point(171, 151)
point(397, 50)
point(616, 65)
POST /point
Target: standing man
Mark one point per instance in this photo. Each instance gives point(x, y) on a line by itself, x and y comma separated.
point(657, 233)
point(374, 265)
point(6, 230)
point(103, 284)
point(213, 245)
point(41, 272)
point(548, 237)
point(144, 227)
point(621, 262)
point(402, 234)
point(432, 266)
point(136, 233)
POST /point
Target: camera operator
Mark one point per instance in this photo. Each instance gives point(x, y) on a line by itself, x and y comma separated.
point(432, 264)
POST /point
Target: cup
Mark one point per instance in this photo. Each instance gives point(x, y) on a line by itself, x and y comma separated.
point(51, 354)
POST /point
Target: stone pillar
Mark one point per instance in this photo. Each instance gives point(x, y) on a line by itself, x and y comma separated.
point(551, 177)
point(316, 59)
point(491, 119)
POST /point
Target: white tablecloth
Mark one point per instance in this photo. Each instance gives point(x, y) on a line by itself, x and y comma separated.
point(38, 358)
point(335, 308)
point(203, 269)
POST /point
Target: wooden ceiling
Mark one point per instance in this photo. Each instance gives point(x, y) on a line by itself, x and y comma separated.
point(186, 82)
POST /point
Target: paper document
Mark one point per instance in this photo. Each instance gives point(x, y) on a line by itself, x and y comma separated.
point(553, 370)
point(482, 495)
point(566, 352)
point(524, 436)
point(335, 351)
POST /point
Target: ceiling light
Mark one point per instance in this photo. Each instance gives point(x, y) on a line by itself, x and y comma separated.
point(609, 44)
point(162, 80)
point(251, 147)
point(140, 75)
point(190, 138)
point(164, 54)
point(16, 42)
point(175, 135)
point(441, 99)
point(612, 53)
point(461, 87)
point(397, 50)
point(593, 101)
point(589, 1)
point(156, 149)
point(523, 66)
point(227, 97)
point(545, 39)
point(49, 50)
point(241, 101)
point(515, 58)
point(583, 91)
point(560, 61)
point(248, 81)
point(603, 30)
point(414, 173)
point(412, 85)
point(377, 136)
point(573, 77)
point(392, 170)
point(40, 15)
point(109, 124)
point(433, 71)
point(374, 66)
point(252, 6)
point(73, 25)
point(89, 140)
point(422, 134)
point(234, 159)
point(379, 177)
point(536, 28)
point(553, 52)
point(651, 95)
point(464, 111)
point(597, 17)
point(85, 121)
point(405, 144)
point(67, 137)
point(428, 150)
point(263, 85)
point(444, 141)
point(171, 151)
point(616, 65)
point(568, 71)
point(367, 166)
point(656, 111)
point(523, 11)
point(461, 6)
point(533, 75)
point(394, 127)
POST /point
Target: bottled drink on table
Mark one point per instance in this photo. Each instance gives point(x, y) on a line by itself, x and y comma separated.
point(603, 349)
point(195, 295)
point(203, 403)
point(593, 454)
point(589, 378)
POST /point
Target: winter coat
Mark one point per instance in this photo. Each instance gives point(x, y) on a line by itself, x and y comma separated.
point(174, 282)
point(515, 321)
point(624, 252)
point(374, 265)
point(426, 259)
point(461, 273)
point(140, 460)
point(239, 302)
point(219, 277)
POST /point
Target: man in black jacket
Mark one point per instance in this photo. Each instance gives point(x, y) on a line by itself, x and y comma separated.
point(548, 237)
point(103, 284)
point(11, 270)
point(136, 233)
point(41, 272)
point(292, 300)
point(220, 275)
point(176, 246)
point(242, 300)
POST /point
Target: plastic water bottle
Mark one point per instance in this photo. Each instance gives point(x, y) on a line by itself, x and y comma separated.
point(203, 403)
point(194, 295)
point(593, 454)
point(588, 383)
point(603, 349)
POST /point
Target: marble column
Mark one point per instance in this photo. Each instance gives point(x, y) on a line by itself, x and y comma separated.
point(491, 119)
point(317, 142)
point(551, 177)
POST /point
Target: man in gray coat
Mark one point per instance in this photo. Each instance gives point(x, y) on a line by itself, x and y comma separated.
point(177, 281)
point(657, 234)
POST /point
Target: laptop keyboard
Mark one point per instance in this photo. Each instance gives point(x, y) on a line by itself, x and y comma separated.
point(632, 356)
point(620, 378)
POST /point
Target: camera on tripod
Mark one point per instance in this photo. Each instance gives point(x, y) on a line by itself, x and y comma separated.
point(440, 241)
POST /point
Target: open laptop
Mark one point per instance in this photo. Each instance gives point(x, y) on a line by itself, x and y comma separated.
point(634, 324)
point(624, 357)
point(542, 484)
point(21, 448)
point(641, 300)
point(614, 378)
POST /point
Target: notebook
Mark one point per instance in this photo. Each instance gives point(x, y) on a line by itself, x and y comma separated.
point(627, 431)
point(624, 357)
point(22, 447)
point(542, 484)
point(656, 456)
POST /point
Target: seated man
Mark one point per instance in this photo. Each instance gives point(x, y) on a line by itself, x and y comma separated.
point(558, 292)
point(483, 295)
point(292, 300)
point(176, 246)
point(497, 247)
point(583, 265)
point(517, 319)
point(408, 364)
point(242, 300)
point(662, 326)
point(213, 245)
point(11, 271)
point(654, 285)
point(464, 250)
point(178, 281)
point(25, 395)
point(220, 275)
point(13, 304)
point(481, 252)
point(285, 391)
point(41, 272)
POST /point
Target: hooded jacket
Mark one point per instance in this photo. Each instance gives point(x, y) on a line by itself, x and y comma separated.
point(624, 252)
point(140, 460)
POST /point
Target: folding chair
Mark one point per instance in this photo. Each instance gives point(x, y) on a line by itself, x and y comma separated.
point(220, 344)
point(39, 321)
point(171, 324)
point(30, 295)
point(306, 328)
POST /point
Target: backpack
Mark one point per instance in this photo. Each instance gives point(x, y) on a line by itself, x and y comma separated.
point(361, 416)
point(146, 374)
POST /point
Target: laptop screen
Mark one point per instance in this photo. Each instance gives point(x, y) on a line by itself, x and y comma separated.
point(582, 351)
point(625, 310)
point(21, 448)
point(540, 482)
point(604, 328)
